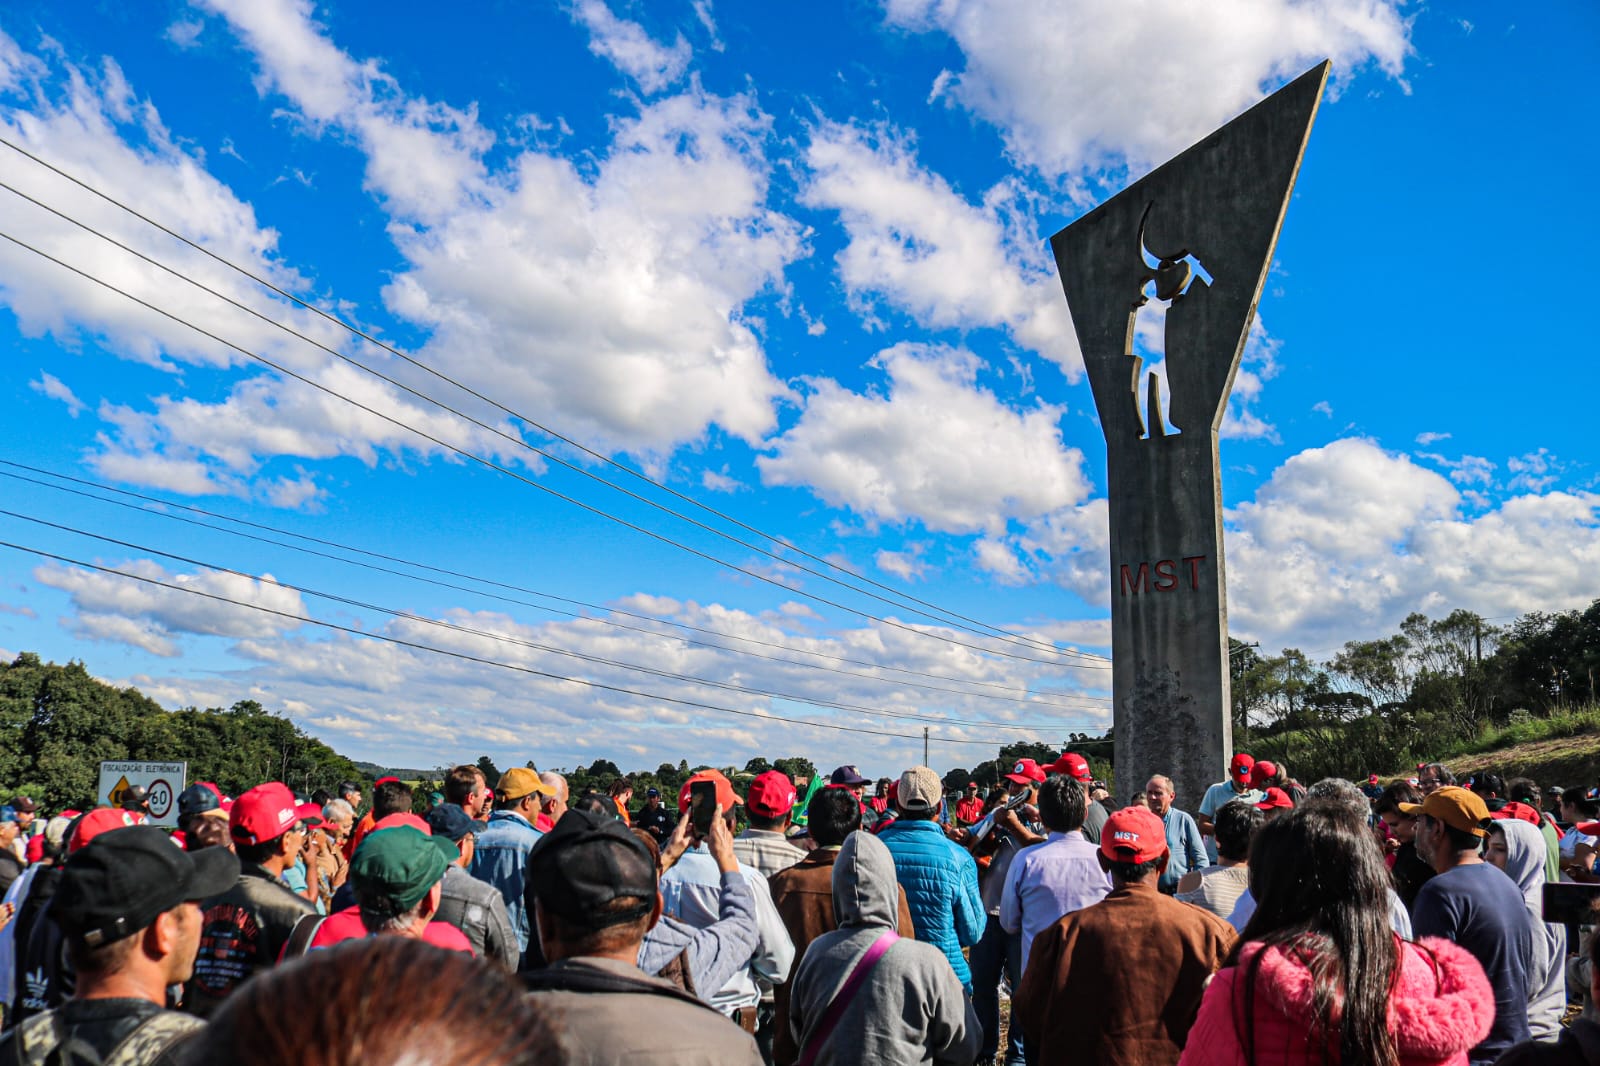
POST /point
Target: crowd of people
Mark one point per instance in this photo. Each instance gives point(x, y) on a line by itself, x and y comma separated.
point(856, 921)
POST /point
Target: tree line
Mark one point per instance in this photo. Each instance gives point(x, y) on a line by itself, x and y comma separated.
point(1384, 703)
point(58, 723)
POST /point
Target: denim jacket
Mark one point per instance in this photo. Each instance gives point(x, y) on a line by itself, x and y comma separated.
point(501, 859)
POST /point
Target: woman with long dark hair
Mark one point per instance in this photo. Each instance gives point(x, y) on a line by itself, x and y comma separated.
point(1319, 977)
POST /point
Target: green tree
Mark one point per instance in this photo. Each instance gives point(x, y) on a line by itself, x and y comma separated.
point(491, 773)
point(758, 765)
point(798, 769)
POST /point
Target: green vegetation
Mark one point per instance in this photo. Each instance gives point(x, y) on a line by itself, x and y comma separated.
point(59, 724)
point(1436, 690)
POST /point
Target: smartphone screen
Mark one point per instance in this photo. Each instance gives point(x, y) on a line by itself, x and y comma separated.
point(1572, 904)
point(702, 806)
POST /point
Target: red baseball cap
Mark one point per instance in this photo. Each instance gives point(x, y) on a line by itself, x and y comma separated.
point(309, 812)
point(401, 818)
point(385, 781)
point(1073, 765)
point(771, 795)
point(264, 813)
point(100, 820)
point(1276, 799)
point(1026, 772)
point(1518, 810)
point(1241, 765)
point(725, 794)
point(1133, 834)
point(1262, 772)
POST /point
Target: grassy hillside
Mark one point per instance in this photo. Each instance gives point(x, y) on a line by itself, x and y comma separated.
point(1563, 749)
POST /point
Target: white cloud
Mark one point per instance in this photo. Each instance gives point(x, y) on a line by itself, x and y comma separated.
point(1428, 438)
point(111, 608)
point(629, 48)
point(1535, 471)
point(918, 245)
point(378, 700)
point(90, 122)
point(51, 386)
point(1345, 540)
point(907, 565)
point(1076, 86)
point(612, 294)
point(1467, 470)
point(184, 33)
point(937, 448)
point(1323, 407)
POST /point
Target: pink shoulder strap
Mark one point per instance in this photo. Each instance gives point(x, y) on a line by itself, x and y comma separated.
point(852, 984)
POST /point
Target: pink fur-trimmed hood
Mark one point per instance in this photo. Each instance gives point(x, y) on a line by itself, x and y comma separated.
point(1441, 1005)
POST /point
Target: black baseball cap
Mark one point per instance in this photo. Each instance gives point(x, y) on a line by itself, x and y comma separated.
point(586, 862)
point(123, 879)
point(449, 821)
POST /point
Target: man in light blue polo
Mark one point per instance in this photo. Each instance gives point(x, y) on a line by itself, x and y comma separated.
point(1188, 848)
point(501, 855)
point(1237, 786)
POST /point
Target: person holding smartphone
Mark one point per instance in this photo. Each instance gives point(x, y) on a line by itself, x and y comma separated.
point(691, 891)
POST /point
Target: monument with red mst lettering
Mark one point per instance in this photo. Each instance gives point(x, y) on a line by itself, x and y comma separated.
point(1196, 235)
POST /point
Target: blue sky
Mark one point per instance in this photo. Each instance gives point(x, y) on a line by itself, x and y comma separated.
point(790, 263)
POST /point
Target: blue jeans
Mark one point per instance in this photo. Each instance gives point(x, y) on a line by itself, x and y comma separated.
point(996, 950)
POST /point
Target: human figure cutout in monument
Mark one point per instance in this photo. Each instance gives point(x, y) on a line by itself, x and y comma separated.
point(1169, 279)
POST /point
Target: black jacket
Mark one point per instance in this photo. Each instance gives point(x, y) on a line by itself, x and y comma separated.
point(1578, 1045)
point(243, 932)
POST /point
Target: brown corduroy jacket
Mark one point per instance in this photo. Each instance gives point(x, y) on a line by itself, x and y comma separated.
point(1119, 982)
point(804, 897)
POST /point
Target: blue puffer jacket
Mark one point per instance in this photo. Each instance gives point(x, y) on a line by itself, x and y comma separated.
point(941, 883)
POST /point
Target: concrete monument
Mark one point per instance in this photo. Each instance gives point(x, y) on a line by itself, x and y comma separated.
point(1196, 235)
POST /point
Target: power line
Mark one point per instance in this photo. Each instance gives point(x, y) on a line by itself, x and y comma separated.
point(492, 465)
point(418, 646)
point(988, 629)
point(1023, 699)
point(598, 660)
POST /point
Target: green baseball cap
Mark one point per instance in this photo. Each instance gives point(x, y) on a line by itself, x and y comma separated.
point(400, 863)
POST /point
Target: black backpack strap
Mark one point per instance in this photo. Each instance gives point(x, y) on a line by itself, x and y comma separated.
point(300, 937)
point(565, 977)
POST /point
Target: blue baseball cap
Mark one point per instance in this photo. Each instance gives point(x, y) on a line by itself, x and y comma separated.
point(8, 814)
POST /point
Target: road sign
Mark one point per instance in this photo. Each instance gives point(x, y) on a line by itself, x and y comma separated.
point(162, 782)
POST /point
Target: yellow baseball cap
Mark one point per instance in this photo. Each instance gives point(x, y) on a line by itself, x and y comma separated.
point(1456, 807)
point(520, 781)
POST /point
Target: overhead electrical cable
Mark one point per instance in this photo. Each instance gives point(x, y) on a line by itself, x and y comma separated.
point(418, 646)
point(550, 649)
point(943, 615)
point(1025, 698)
point(492, 465)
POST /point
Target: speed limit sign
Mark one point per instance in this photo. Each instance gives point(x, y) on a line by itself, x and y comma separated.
point(162, 781)
point(159, 796)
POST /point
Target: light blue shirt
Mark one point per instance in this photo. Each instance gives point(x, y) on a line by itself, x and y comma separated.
point(692, 893)
point(1216, 796)
point(1048, 881)
point(501, 859)
point(1188, 848)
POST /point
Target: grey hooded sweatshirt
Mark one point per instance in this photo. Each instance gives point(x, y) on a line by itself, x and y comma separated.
point(911, 1009)
point(1547, 977)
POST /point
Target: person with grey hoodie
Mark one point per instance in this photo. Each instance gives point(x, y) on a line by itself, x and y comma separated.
point(909, 1007)
point(1517, 847)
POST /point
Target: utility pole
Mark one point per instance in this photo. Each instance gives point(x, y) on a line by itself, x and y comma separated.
point(924, 745)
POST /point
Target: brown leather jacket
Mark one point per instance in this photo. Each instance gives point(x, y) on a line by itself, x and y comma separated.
point(1120, 982)
point(803, 895)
